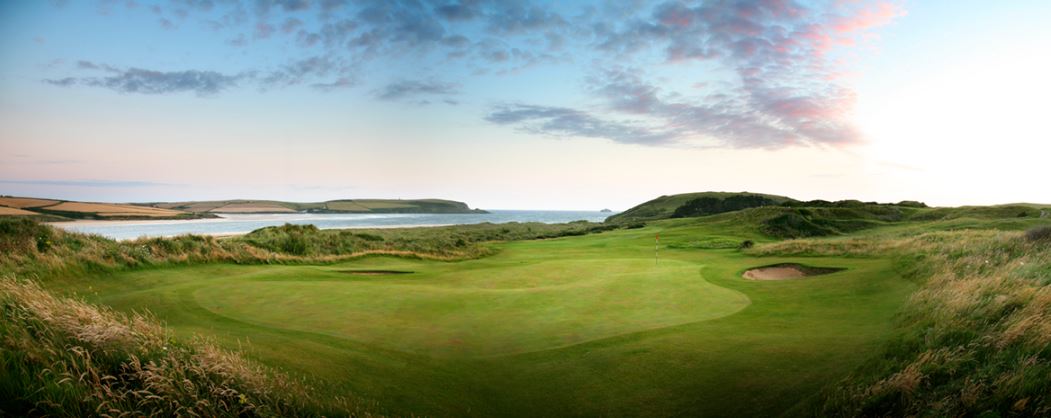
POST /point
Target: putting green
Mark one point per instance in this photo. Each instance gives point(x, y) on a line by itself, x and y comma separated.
point(485, 311)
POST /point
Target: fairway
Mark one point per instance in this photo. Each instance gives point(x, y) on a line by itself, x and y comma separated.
point(571, 326)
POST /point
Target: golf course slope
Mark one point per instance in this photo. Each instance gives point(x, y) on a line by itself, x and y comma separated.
point(928, 313)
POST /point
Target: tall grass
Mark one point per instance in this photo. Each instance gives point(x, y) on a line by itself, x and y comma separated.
point(974, 340)
point(29, 249)
point(64, 357)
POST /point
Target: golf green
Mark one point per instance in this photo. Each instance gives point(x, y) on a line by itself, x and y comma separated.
point(577, 326)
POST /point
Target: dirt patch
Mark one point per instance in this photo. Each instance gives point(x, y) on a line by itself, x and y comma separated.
point(375, 272)
point(787, 271)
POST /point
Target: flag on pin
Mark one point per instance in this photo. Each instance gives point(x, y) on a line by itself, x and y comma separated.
point(656, 247)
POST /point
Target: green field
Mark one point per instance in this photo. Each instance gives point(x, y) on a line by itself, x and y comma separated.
point(579, 326)
point(921, 312)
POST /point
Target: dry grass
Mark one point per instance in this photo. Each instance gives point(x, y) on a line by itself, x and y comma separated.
point(64, 357)
point(6, 211)
point(114, 210)
point(25, 202)
point(976, 337)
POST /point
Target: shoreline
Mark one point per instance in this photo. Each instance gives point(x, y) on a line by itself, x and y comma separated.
point(221, 234)
point(239, 224)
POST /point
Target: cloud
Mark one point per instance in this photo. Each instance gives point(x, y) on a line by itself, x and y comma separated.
point(142, 81)
point(321, 72)
point(767, 71)
point(62, 82)
point(339, 83)
point(565, 122)
point(311, 70)
point(412, 88)
point(456, 11)
point(739, 119)
point(782, 93)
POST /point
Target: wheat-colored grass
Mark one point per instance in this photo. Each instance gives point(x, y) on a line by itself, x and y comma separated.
point(6, 211)
point(112, 210)
point(25, 202)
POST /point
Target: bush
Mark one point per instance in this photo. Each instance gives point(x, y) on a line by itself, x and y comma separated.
point(912, 204)
point(704, 206)
point(1038, 234)
point(20, 234)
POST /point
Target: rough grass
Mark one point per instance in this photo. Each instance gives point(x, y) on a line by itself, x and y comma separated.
point(64, 357)
point(973, 341)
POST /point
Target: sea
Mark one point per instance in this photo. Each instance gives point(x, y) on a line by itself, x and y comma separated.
point(234, 224)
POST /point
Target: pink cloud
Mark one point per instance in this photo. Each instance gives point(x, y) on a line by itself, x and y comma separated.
point(871, 17)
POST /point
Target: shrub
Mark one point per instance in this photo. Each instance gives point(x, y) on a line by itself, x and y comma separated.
point(1037, 234)
point(704, 206)
point(369, 237)
point(912, 204)
point(21, 233)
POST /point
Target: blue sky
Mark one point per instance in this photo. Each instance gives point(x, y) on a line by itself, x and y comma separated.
point(571, 105)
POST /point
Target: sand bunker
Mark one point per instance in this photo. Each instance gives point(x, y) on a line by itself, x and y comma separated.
point(787, 271)
point(375, 272)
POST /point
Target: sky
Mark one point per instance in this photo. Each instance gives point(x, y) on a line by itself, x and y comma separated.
point(525, 104)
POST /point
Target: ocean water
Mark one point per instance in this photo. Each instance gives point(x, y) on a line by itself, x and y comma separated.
point(229, 224)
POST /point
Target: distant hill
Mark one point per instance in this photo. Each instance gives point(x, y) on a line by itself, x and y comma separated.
point(331, 206)
point(51, 210)
point(665, 207)
point(783, 217)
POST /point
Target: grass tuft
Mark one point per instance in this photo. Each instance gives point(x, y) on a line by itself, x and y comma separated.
point(64, 357)
point(1038, 234)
